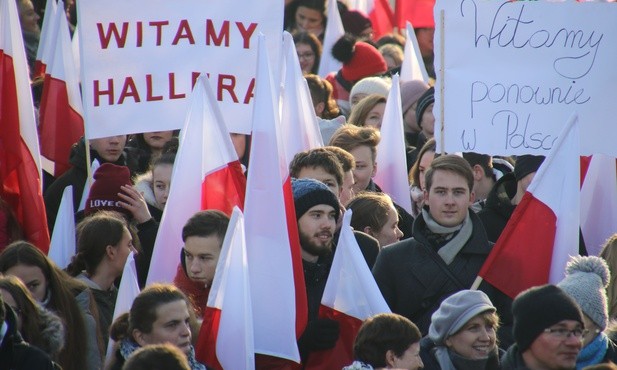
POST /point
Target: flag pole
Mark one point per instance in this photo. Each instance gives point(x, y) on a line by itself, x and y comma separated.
point(476, 283)
point(441, 77)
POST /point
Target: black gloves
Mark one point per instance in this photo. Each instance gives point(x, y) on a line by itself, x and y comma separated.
point(319, 334)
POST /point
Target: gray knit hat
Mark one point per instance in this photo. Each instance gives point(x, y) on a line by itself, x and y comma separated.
point(586, 280)
point(455, 311)
point(308, 193)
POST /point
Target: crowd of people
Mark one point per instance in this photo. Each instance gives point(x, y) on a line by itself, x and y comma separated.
point(424, 260)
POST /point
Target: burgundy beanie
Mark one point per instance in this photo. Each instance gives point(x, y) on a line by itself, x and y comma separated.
point(366, 61)
point(104, 191)
point(355, 22)
point(411, 91)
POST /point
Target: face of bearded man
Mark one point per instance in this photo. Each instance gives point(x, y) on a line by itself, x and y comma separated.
point(316, 228)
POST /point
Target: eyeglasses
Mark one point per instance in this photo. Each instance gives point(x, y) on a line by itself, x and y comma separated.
point(306, 56)
point(563, 333)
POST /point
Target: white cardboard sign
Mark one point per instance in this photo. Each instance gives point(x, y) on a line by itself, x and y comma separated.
point(140, 59)
point(512, 72)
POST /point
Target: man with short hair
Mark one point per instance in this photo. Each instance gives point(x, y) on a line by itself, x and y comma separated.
point(322, 165)
point(483, 177)
point(317, 212)
point(448, 248)
point(203, 236)
point(548, 331)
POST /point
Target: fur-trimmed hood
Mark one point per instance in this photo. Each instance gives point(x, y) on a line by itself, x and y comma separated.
point(143, 184)
point(52, 332)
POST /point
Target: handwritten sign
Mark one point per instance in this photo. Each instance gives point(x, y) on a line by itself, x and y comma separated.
point(513, 72)
point(141, 58)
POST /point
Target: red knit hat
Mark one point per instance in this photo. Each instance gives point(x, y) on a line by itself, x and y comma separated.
point(103, 194)
point(366, 61)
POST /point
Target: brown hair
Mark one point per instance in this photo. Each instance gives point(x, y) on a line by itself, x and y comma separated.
point(313, 42)
point(62, 292)
point(370, 209)
point(414, 173)
point(321, 92)
point(318, 157)
point(452, 163)
point(349, 137)
point(360, 111)
point(382, 333)
point(157, 357)
point(347, 161)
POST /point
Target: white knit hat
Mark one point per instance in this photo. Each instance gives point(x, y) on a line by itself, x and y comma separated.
point(371, 85)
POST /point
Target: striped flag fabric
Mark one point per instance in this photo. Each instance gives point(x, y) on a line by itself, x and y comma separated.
point(334, 31)
point(351, 296)
point(47, 41)
point(63, 245)
point(542, 233)
point(275, 263)
point(392, 172)
point(413, 67)
point(61, 111)
point(599, 203)
point(226, 335)
point(206, 175)
point(20, 169)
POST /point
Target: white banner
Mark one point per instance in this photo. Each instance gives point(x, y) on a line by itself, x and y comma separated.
point(140, 59)
point(514, 71)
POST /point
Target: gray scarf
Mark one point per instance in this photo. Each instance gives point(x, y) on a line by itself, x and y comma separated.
point(451, 249)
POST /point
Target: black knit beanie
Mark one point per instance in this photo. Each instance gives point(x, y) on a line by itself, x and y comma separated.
point(526, 164)
point(424, 101)
point(539, 308)
point(309, 193)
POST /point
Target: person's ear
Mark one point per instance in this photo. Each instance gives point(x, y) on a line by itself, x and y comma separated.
point(139, 337)
point(390, 358)
point(368, 230)
point(110, 251)
point(478, 172)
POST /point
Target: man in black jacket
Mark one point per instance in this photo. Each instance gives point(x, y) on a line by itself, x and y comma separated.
point(448, 248)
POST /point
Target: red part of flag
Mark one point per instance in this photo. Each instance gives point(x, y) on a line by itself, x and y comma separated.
point(224, 188)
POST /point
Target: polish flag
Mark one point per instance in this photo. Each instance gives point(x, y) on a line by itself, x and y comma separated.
point(61, 111)
point(334, 31)
point(413, 67)
point(299, 126)
point(392, 173)
point(599, 203)
point(275, 263)
point(418, 12)
point(350, 297)
point(47, 41)
point(542, 233)
point(379, 12)
point(226, 335)
point(63, 246)
point(127, 291)
point(206, 175)
point(20, 162)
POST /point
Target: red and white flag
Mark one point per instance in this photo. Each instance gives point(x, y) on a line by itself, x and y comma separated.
point(20, 162)
point(413, 67)
point(351, 296)
point(599, 203)
point(127, 291)
point(391, 174)
point(299, 126)
point(226, 335)
point(334, 31)
point(206, 175)
point(379, 12)
point(63, 245)
point(47, 42)
point(61, 111)
point(277, 279)
point(542, 233)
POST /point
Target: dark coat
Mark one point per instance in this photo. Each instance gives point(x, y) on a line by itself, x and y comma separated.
point(369, 246)
point(412, 278)
point(430, 361)
point(498, 207)
point(15, 354)
point(405, 219)
point(513, 360)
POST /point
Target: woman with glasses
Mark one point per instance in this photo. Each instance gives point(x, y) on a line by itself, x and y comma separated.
point(308, 48)
point(586, 281)
point(387, 341)
point(463, 334)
